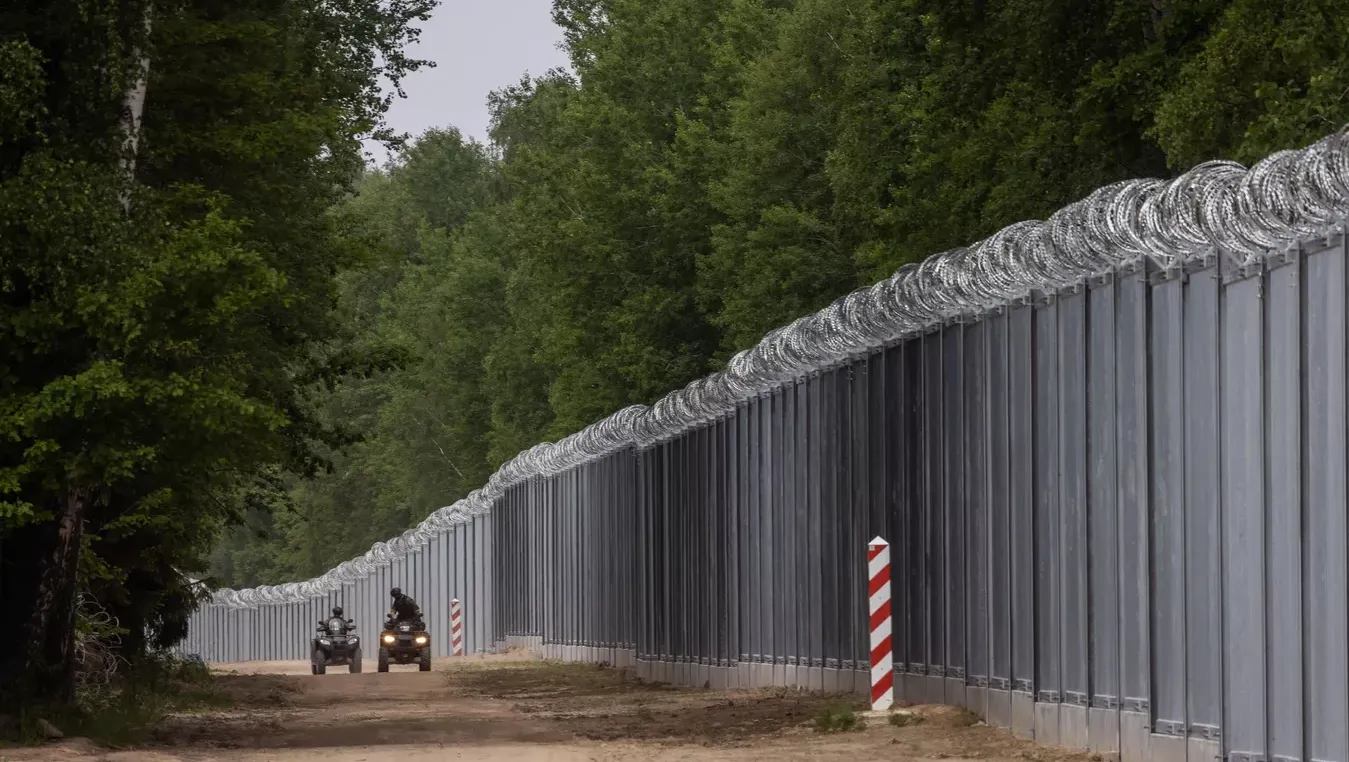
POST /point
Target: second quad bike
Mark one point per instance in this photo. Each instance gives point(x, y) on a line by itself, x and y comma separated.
point(335, 643)
point(404, 642)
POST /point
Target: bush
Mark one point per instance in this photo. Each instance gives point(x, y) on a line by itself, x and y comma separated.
point(837, 718)
point(124, 709)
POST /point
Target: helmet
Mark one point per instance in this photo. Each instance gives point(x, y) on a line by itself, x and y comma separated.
point(396, 592)
point(337, 611)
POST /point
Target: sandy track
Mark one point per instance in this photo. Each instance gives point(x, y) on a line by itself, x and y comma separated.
point(509, 707)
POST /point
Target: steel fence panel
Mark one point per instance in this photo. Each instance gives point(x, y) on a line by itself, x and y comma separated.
point(855, 509)
point(1001, 555)
point(1046, 520)
point(750, 602)
point(482, 530)
point(768, 497)
point(1168, 470)
point(813, 523)
point(1101, 452)
point(913, 536)
point(1324, 376)
point(1203, 562)
point(1133, 395)
point(952, 512)
point(974, 356)
point(839, 434)
point(1021, 444)
point(1241, 603)
point(705, 538)
point(780, 638)
point(666, 583)
point(736, 547)
point(1075, 570)
point(728, 644)
point(933, 533)
point(1285, 518)
point(646, 531)
point(441, 585)
point(883, 494)
point(680, 570)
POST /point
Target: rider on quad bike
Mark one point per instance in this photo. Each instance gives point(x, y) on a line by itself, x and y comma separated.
point(404, 608)
point(335, 644)
point(404, 639)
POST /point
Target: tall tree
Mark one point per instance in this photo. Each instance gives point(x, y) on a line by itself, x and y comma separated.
point(164, 313)
point(1270, 75)
point(435, 295)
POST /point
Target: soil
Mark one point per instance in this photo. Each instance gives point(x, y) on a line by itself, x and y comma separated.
point(513, 707)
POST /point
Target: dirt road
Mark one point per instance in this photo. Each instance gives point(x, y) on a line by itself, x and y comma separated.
point(510, 707)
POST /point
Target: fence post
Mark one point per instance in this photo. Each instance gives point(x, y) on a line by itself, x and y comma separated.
point(456, 628)
point(882, 659)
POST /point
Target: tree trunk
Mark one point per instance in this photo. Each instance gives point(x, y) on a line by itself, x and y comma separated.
point(45, 664)
point(133, 104)
point(1159, 14)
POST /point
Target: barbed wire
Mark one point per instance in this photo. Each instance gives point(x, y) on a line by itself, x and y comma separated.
point(1217, 207)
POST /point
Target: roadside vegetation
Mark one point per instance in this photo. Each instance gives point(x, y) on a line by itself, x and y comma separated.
point(120, 710)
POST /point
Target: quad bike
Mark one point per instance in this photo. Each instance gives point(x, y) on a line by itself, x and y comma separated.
point(335, 644)
point(404, 642)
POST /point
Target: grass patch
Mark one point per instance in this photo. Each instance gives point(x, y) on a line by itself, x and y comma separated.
point(125, 711)
point(837, 718)
point(905, 719)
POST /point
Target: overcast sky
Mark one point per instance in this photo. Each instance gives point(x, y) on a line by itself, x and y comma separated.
point(478, 46)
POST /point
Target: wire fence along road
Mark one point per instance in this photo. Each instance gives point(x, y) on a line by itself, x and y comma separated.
point(1108, 451)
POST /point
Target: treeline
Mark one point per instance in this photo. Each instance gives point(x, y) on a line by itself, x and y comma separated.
point(169, 263)
point(712, 169)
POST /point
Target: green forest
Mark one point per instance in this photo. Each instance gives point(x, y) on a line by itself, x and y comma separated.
point(712, 169)
point(235, 352)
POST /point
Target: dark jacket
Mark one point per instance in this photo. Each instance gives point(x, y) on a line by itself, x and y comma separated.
point(405, 609)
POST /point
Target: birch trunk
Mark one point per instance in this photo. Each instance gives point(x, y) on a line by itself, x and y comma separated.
point(133, 104)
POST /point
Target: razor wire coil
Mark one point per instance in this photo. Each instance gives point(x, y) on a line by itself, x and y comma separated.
point(1217, 207)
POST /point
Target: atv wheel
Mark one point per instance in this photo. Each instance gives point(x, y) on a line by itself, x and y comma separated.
point(320, 663)
point(424, 664)
point(354, 666)
point(383, 659)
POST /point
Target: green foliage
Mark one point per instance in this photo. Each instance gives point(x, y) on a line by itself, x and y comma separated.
point(21, 83)
point(1271, 75)
point(436, 293)
point(838, 718)
point(127, 710)
point(713, 169)
point(168, 292)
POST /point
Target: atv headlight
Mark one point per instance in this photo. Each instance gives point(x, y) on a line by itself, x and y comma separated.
point(388, 638)
point(353, 640)
point(325, 642)
point(421, 640)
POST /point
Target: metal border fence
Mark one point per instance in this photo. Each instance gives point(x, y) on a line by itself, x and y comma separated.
point(453, 564)
point(1108, 450)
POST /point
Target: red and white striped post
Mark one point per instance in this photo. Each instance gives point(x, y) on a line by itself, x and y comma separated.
point(882, 656)
point(456, 628)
